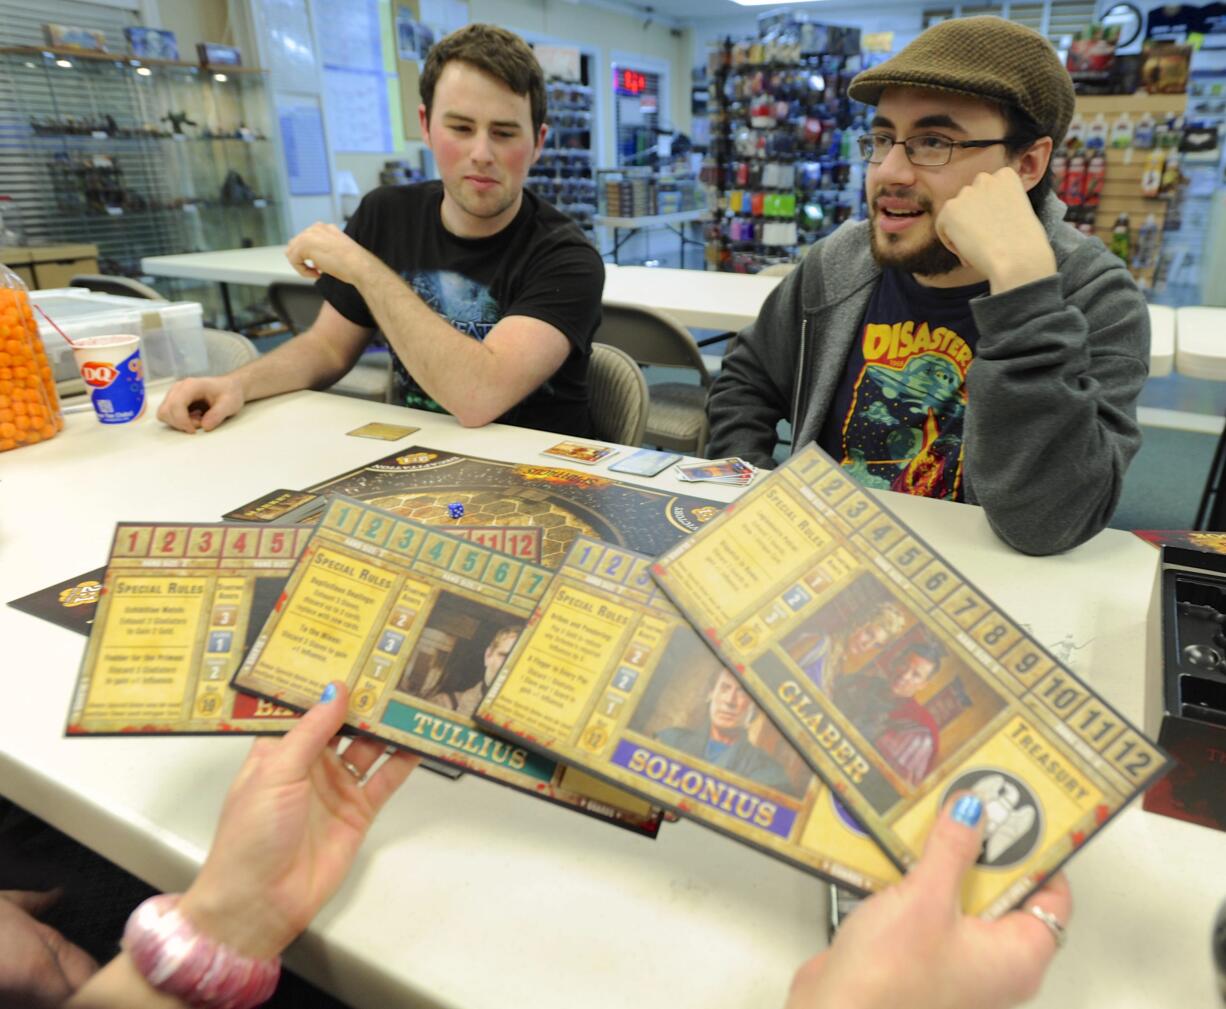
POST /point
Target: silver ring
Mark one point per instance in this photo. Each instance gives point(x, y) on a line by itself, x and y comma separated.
point(353, 769)
point(1052, 923)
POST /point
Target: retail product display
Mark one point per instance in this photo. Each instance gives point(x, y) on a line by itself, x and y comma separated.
point(783, 166)
point(157, 172)
point(1120, 173)
point(643, 192)
point(563, 173)
point(152, 43)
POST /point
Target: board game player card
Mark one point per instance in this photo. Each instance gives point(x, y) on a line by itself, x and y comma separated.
point(900, 682)
point(416, 622)
point(608, 676)
point(280, 506)
point(178, 607)
point(70, 603)
point(574, 451)
point(644, 462)
point(383, 432)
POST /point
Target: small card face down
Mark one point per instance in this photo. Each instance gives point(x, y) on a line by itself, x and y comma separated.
point(383, 432)
point(900, 682)
point(178, 608)
point(609, 677)
point(278, 506)
point(644, 462)
point(580, 452)
point(417, 623)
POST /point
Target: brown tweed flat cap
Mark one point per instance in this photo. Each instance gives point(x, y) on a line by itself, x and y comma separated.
point(983, 57)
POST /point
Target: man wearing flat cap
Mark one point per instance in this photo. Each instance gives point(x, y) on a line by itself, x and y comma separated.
point(963, 342)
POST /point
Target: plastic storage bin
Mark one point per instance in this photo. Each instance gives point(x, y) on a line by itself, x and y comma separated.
point(171, 332)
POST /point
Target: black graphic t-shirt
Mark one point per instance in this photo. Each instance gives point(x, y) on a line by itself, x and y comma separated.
point(540, 266)
point(896, 420)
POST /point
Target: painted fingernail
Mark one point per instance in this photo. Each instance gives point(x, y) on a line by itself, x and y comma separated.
point(967, 811)
point(330, 693)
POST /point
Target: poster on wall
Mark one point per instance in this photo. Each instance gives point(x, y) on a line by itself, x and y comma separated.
point(302, 139)
point(356, 101)
point(349, 35)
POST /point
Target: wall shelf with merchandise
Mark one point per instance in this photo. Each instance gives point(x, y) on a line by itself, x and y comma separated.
point(563, 173)
point(783, 165)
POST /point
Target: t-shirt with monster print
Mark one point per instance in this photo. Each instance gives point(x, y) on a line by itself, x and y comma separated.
point(896, 420)
point(540, 265)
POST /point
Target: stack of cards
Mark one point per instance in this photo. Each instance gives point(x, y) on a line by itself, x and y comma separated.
point(737, 472)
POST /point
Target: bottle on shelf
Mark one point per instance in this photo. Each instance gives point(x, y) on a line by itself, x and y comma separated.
point(1121, 238)
point(1145, 253)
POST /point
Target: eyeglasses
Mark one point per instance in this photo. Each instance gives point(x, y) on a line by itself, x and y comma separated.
point(926, 150)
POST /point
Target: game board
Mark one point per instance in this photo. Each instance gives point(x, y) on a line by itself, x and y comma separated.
point(419, 483)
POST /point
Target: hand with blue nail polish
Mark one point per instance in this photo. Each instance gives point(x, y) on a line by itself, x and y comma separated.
point(912, 947)
point(290, 829)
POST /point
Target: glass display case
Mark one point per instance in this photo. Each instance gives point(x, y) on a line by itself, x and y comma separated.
point(140, 157)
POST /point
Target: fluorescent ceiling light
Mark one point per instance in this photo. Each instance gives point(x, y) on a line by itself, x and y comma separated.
point(769, 3)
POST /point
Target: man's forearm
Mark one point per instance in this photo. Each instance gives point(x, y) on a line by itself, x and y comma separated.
point(305, 362)
point(461, 373)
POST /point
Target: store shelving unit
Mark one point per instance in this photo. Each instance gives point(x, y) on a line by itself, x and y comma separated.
point(140, 157)
point(782, 166)
point(563, 173)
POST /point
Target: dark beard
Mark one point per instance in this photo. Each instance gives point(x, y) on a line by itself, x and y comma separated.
point(932, 260)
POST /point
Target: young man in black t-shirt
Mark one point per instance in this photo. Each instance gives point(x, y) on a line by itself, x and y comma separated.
point(487, 296)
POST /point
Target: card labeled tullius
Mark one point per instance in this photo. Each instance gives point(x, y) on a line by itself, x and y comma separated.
point(417, 622)
point(608, 676)
point(178, 607)
point(900, 682)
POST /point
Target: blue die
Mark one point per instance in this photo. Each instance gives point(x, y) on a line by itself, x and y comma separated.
point(455, 510)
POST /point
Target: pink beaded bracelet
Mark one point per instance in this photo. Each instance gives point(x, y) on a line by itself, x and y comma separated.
point(177, 959)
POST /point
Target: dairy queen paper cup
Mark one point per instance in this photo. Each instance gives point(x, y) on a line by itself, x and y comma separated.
point(111, 369)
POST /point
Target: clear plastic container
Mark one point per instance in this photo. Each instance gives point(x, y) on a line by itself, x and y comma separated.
point(29, 404)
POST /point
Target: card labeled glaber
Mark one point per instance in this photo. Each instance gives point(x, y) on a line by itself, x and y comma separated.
point(900, 682)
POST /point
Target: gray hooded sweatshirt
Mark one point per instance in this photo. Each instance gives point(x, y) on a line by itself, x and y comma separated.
point(1050, 422)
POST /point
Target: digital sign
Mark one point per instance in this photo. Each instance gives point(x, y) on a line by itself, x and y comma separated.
point(629, 82)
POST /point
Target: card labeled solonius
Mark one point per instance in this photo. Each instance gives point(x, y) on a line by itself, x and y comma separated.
point(610, 677)
point(416, 622)
point(900, 682)
point(178, 607)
